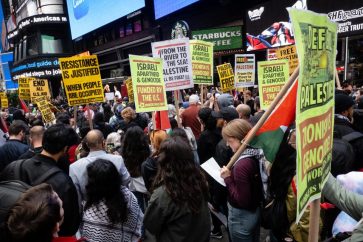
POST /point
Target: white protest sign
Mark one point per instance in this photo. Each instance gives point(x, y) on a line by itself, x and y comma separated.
point(177, 64)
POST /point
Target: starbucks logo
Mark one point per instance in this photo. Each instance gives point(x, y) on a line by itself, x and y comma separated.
point(180, 30)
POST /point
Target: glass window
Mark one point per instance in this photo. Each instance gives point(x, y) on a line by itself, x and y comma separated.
point(16, 53)
point(355, 59)
point(24, 54)
point(32, 46)
point(137, 26)
point(51, 44)
point(20, 54)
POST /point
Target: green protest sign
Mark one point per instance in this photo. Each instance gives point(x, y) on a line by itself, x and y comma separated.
point(272, 75)
point(316, 40)
point(223, 38)
point(202, 61)
point(148, 83)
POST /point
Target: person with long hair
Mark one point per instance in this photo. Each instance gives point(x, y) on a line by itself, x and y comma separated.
point(178, 208)
point(149, 166)
point(111, 212)
point(244, 185)
point(135, 150)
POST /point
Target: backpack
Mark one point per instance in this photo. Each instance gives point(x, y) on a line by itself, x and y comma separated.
point(355, 138)
point(11, 190)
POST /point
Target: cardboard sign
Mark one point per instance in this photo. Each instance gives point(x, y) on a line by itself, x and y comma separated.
point(82, 80)
point(130, 91)
point(110, 96)
point(316, 43)
point(272, 75)
point(43, 106)
point(290, 54)
point(202, 62)
point(24, 90)
point(177, 64)
point(226, 77)
point(4, 100)
point(148, 83)
point(244, 70)
point(39, 88)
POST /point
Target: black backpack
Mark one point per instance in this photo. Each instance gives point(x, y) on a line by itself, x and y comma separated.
point(11, 190)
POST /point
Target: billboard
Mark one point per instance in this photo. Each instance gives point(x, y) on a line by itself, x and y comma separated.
point(268, 25)
point(165, 7)
point(87, 15)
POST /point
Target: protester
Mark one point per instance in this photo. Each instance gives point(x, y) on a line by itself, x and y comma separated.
point(107, 112)
point(129, 116)
point(36, 216)
point(247, 99)
point(149, 167)
point(187, 134)
point(343, 127)
point(14, 147)
point(33, 170)
point(35, 138)
point(190, 116)
point(78, 170)
point(358, 115)
point(244, 185)
point(135, 150)
point(111, 212)
point(244, 111)
point(259, 112)
point(100, 124)
point(113, 143)
point(178, 209)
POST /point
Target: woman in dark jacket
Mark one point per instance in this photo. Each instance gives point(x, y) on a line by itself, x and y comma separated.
point(100, 124)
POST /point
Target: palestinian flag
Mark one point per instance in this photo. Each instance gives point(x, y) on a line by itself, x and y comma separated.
point(271, 133)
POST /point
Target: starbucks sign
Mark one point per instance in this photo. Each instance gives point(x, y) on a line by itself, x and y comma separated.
point(223, 38)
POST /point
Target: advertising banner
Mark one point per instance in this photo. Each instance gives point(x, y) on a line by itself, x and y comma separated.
point(24, 90)
point(268, 24)
point(82, 80)
point(177, 65)
point(226, 77)
point(223, 38)
point(43, 106)
point(202, 61)
point(244, 69)
point(271, 54)
point(272, 75)
point(148, 83)
point(289, 53)
point(130, 91)
point(4, 100)
point(316, 43)
point(39, 88)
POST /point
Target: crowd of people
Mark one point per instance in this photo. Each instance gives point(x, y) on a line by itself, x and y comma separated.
point(126, 180)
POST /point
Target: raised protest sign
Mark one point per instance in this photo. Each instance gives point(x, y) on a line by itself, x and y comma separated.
point(316, 40)
point(177, 65)
point(272, 75)
point(148, 83)
point(202, 61)
point(271, 54)
point(226, 77)
point(244, 69)
point(130, 91)
point(4, 100)
point(24, 91)
point(82, 79)
point(289, 53)
point(39, 88)
point(43, 106)
point(110, 96)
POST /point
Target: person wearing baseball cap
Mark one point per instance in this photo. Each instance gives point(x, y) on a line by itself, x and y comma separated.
point(225, 115)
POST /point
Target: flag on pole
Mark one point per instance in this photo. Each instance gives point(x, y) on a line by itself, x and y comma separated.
point(271, 133)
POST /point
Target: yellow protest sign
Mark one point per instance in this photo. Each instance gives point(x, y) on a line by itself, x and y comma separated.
point(130, 92)
point(24, 91)
point(4, 100)
point(82, 79)
point(43, 106)
point(290, 54)
point(39, 88)
point(226, 77)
